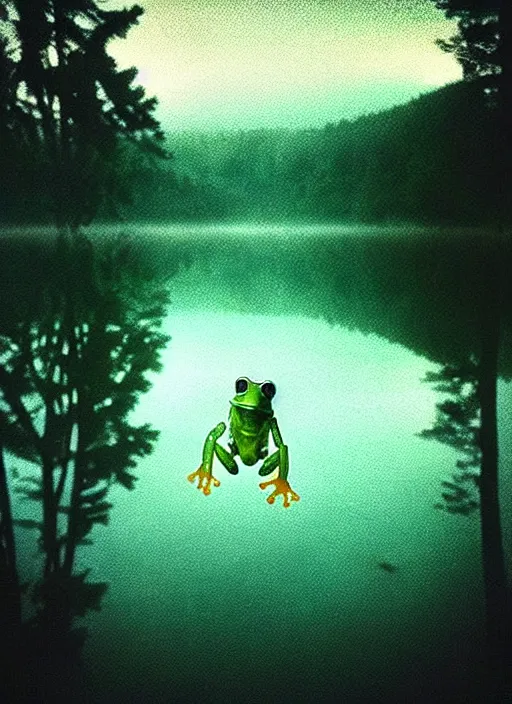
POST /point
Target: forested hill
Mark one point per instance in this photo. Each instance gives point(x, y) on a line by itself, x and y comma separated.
point(431, 160)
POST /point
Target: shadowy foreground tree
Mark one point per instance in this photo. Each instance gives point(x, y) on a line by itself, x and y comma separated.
point(73, 359)
point(68, 385)
point(480, 45)
point(67, 106)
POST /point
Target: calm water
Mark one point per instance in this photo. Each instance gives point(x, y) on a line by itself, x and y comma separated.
point(228, 598)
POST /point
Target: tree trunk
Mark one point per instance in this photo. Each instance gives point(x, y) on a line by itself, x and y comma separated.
point(65, 194)
point(496, 263)
point(50, 542)
point(495, 582)
point(10, 597)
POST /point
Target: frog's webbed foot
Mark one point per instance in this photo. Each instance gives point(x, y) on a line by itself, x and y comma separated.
point(283, 488)
point(205, 479)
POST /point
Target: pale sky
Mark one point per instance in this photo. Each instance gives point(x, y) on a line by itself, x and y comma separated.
point(225, 64)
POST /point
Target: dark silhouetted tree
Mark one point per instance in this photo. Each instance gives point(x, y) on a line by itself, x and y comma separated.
point(10, 602)
point(481, 46)
point(73, 364)
point(67, 98)
point(457, 425)
point(67, 388)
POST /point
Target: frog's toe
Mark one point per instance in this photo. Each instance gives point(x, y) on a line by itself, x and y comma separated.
point(205, 484)
point(195, 475)
point(289, 497)
point(282, 488)
point(204, 480)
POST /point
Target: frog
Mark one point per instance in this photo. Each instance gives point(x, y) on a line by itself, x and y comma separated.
point(251, 422)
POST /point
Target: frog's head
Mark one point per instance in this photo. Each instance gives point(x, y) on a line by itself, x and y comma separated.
point(254, 396)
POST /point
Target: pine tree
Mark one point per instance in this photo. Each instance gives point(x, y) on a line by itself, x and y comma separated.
point(481, 46)
point(71, 102)
point(73, 360)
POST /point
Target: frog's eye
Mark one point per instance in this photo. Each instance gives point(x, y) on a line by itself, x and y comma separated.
point(268, 389)
point(241, 385)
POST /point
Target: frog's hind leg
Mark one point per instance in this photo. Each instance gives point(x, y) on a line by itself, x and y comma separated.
point(269, 464)
point(204, 472)
point(226, 458)
point(278, 459)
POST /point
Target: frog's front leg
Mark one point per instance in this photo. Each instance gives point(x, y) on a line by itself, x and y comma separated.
point(278, 459)
point(204, 471)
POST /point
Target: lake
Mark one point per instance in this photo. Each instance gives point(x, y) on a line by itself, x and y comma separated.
point(226, 597)
point(361, 590)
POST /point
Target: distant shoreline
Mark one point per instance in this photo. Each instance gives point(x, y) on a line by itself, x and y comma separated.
point(251, 228)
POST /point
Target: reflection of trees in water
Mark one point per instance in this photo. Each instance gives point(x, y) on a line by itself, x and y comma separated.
point(71, 371)
point(418, 288)
point(428, 291)
point(457, 424)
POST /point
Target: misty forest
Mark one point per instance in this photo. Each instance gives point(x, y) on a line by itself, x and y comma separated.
point(364, 267)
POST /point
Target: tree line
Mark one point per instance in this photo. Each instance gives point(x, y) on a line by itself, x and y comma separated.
point(429, 161)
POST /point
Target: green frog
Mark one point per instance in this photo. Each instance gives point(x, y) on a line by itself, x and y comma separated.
point(251, 421)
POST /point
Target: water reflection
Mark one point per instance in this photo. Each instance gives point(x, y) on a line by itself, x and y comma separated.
point(420, 288)
point(305, 581)
point(73, 365)
point(457, 424)
point(345, 325)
